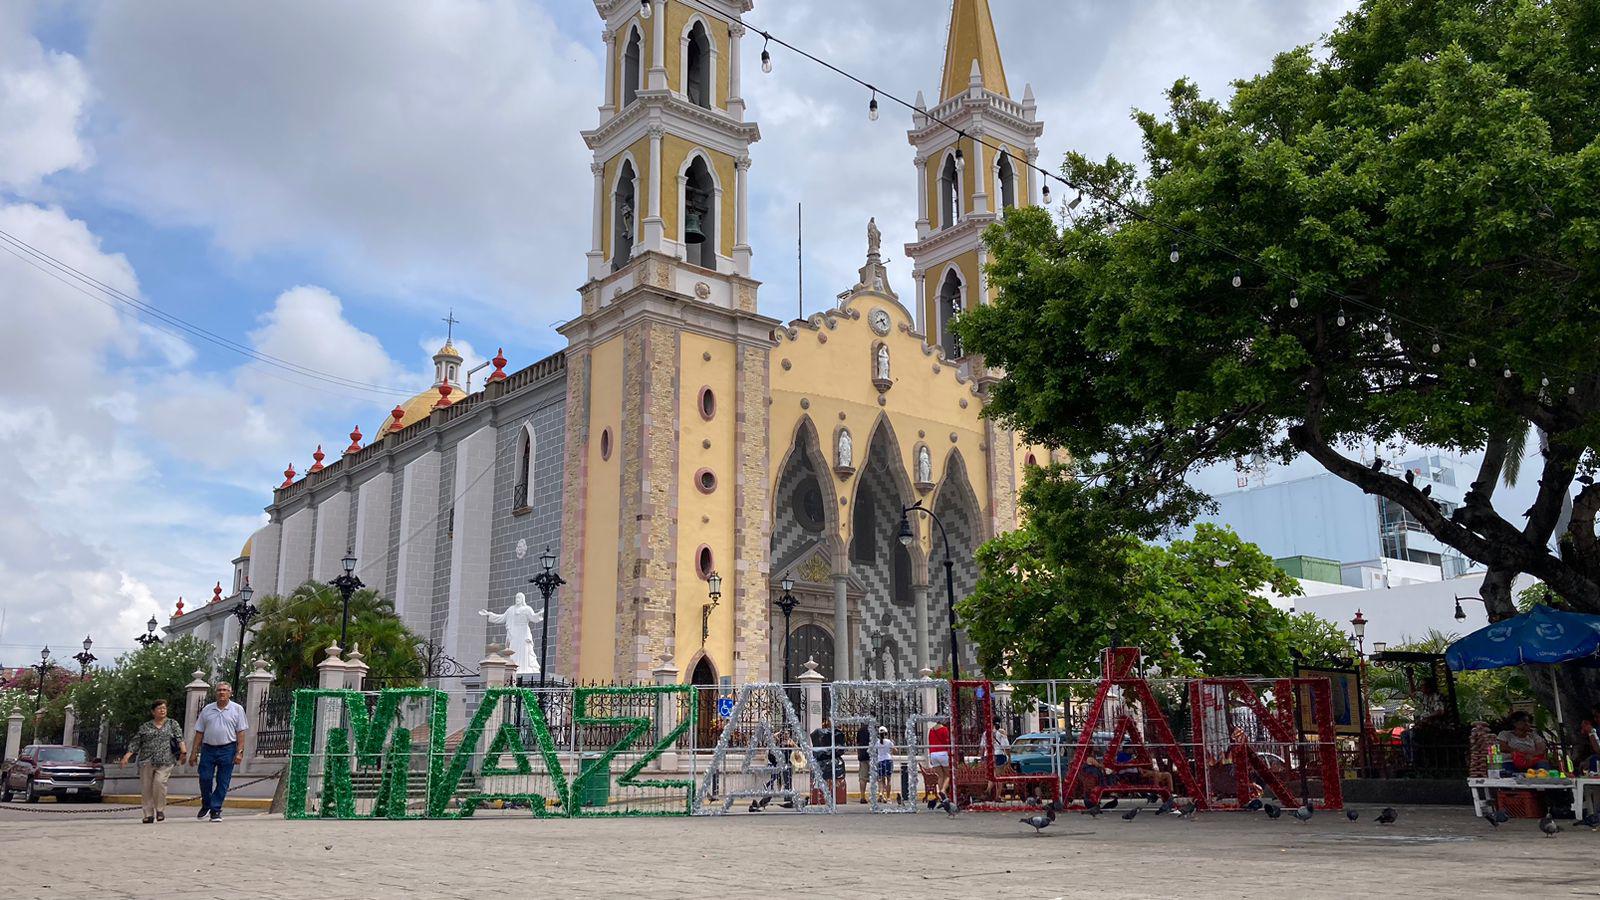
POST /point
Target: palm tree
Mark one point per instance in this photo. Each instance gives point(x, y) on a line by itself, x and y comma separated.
point(294, 631)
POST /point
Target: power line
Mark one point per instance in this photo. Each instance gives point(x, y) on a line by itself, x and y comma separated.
point(89, 286)
point(1177, 230)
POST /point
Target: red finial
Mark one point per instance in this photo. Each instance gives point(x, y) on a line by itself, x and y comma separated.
point(288, 476)
point(398, 413)
point(179, 611)
point(319, 456)
point(355, 440)
point(216, 593)
point(444, 395)
point(499, 373)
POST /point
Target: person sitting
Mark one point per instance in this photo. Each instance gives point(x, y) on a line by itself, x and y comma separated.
point(1524, 746)
point(1590, 729)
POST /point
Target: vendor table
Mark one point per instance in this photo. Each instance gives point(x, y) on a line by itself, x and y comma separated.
point(1481, 800)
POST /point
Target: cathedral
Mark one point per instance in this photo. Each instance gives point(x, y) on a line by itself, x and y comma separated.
point(683, 435)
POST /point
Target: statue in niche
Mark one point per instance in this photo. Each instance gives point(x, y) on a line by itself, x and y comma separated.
point(881, 367)
point(924, 465)
point(519, 619)
point(625, 219)
point(846, 454)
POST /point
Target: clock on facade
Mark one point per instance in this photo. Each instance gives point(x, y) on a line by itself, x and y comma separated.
point(880, 321)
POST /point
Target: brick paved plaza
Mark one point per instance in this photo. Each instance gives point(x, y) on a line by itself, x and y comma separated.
point(1432, 852)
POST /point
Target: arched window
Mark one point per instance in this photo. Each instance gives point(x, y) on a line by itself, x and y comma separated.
point(901, 586)
point(949, 193)
point(1008, 181)
point(631, 69)
point(697, 72)
point(949, 308)
point(700, 215)
point(522, 494)
point(863, 535)
point(623, 216)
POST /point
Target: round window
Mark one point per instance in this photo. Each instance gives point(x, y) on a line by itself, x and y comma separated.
point(705, 481)
point(708, 403)
point(605, 444)
point(808, 507)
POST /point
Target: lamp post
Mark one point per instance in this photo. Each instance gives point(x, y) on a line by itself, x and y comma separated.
point(1461, 614)
point(714, 591)
point(43, 668)
point(787, 603)
point(244, 612)
point(546, 581)
point(877, 649)
point(907, 537)
point(149, 637)
point(85, 659)
point(347, 584)
point(1358, 638)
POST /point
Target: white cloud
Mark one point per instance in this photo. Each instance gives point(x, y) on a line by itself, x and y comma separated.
point(417, 148)
point(42, 98)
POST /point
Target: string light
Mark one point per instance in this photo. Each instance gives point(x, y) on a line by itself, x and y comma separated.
point(644, 9)
point(1544, 382)
point(1173, 256)
point(766, 57)
point(1340, 320)
point(1238, 278)
point(1507, 373)
point(1571, 389)
point(961, 158)
point(1472, 360)
point(1046, 192)
point(872, 108)
point(1436, 344)
point(1076, 201)
point(1294, 299)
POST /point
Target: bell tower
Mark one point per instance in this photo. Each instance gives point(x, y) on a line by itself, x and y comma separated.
point(667, 365)
point(963, 185)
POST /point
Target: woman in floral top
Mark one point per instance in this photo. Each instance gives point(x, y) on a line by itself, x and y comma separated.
point(152, 746)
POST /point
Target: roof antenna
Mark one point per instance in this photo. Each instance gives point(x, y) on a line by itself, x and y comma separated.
point(799, 255)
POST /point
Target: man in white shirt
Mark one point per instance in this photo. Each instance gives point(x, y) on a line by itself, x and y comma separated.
point(216, 743)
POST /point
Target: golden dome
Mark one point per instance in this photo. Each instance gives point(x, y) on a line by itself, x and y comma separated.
point(417, 408)
point(449, 349)
point(244, 553)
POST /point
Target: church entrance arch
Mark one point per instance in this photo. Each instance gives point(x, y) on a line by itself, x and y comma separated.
point(704, 679)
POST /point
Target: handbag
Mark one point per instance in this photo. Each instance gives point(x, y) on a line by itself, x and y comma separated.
point(176, 745)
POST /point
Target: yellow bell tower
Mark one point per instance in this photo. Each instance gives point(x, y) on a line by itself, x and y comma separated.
point(667, 365)
point(963, 185)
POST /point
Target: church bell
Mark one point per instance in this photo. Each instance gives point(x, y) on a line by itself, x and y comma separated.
point(692, 232)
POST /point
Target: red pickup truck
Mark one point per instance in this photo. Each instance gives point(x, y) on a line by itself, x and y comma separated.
point(67, 773)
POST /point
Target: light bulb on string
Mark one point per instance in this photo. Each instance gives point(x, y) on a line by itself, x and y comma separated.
point(1340, 320)
point(1173, 256)
point(1571, 389)
point(1238, 278)
point(1472, 361)
point(644, 9)
point(1507, 373)
point(1436, 344)
point(1294, 299)
point(766, 57)
point(872, 108)
point(1046, 191)
point(1076, 201)
point(1544, 382)
point(961, 158)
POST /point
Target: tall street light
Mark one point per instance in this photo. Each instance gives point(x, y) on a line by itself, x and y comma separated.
point(907, 538)
point(244, 612)
point(1358, 642)
point(714, 591)
point(43, 668)
point(546, 581)
point(85, 659)
point(787, 603)
point(347, 584)
point(149, 637)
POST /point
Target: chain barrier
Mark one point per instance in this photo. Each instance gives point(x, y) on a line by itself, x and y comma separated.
point(34, 808)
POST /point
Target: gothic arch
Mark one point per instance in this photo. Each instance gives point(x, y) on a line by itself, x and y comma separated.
point(702, 178)
point(630, 64)
point(804, 462)
point(527, 453)
point(625, 185)
point(951, 296)
point(686, 40)
point(1005, 173)
point(897, 470)
point(951, 190)
point(956, 505)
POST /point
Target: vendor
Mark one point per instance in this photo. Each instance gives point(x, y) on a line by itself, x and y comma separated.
point(1525, 749)
point(1591, 738)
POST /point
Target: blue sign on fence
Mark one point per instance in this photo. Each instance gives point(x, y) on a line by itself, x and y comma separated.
point(724, 707)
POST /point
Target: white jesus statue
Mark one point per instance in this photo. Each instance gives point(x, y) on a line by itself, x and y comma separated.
point(519, 620)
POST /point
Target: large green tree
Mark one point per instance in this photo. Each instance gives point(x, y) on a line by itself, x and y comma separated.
point(1045, 606)
point(1413, 217)
point(291, 633)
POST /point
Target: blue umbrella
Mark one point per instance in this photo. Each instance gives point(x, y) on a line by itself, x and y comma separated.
point(1541, 635)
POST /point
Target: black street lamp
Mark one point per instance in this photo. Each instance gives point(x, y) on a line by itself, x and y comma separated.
point(1461, 614)
point(43, 668)
point(1358, 640)
point(714, 591)
point(787, 603)
point(907, 538)
point(347, 584)
point(149, 637)
point(85, 659)
point(244, 612)
point(877, 649)
point(546, 581)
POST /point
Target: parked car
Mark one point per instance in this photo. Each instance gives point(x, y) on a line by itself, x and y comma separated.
point(66, 773)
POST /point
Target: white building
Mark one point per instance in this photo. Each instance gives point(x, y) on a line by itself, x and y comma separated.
point(1396, 615)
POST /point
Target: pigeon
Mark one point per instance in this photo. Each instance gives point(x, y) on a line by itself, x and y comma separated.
point(1304, 813)
point(1494, 822)
point(1152, 798)
point(1352, 815)
point(1093, 811)
point(1253, 805)
point(1186, 811)
point(949, 808)
point(1164, 808)
point(1040, 822)
point(1591, 821)
point(1377, 463)
point(1548, 826)
point(1128, 816)
point(1411, 477)
point(1273, 810)
point(1109, 804)
point(1427, 489)
point(1388, 816)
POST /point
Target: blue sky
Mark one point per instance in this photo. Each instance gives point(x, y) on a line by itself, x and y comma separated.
point(323, 182)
